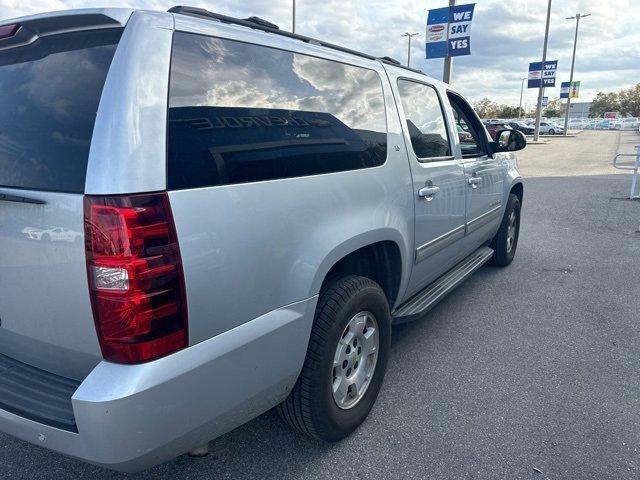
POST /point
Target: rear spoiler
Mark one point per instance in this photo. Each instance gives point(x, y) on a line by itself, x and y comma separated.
point(25, 30)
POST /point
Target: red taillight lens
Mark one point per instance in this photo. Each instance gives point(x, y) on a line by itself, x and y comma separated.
point(135, 276)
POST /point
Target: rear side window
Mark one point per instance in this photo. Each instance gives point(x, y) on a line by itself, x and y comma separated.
point(243, 113)
point(49, 94)
point(425, 120)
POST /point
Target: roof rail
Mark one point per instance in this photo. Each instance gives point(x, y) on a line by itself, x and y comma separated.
point(261, 24)
point(390, 60)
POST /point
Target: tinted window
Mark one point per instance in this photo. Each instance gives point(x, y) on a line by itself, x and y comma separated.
point(425, 122)
point(241, 113)
point(49, 94)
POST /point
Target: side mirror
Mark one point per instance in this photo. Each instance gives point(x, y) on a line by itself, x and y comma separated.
point(510, 140)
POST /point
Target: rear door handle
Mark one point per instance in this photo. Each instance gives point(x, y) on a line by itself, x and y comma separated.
point(428, 192)
point(474, 181)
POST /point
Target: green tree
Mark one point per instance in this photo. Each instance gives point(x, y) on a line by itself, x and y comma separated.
point(630, 101)
point(486, 108)
point(507, 111)
point(604, 102)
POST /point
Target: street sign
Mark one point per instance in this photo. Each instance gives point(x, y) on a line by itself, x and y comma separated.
point(545, 101)
point(546, 75)
point(566, 90)
point(449, 31)
point(611, 115)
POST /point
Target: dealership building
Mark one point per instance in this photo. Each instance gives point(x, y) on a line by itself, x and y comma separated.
point(579, 109)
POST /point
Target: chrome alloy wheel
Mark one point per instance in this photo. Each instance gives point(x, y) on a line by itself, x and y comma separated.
point(355, 360)
point(511, 231)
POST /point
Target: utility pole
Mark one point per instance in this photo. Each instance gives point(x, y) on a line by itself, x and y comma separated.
point(573, 62)
point(536, 132)
point(409, 37)
point(521, 91)
point(293, 22)
point(448, 61)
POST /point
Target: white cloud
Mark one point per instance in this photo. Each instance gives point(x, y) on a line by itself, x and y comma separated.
point(506, 36)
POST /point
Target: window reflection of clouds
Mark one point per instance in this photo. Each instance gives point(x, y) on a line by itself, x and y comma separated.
point(242, 75)
point(50, 90)
point(425, 120)
point(421, 106)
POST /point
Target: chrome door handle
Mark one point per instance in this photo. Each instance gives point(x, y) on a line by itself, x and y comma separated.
point(428, 192)
point(474, 181)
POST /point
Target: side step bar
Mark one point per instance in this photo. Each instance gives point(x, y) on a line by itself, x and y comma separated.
point(424, 300)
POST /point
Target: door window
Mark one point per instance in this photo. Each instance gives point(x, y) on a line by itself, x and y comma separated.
point(473, 141)
point(425, 120)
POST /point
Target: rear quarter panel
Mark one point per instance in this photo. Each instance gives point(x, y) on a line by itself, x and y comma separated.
point(250, 248)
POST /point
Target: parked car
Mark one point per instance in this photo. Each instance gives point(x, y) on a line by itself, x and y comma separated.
point(52, 234)
point(522, 127)
point(577, 123)
point(549, 128)
point(257, 211)
point(630, 123)
point(494, 128)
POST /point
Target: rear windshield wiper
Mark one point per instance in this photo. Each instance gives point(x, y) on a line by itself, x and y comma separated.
point(8, 197)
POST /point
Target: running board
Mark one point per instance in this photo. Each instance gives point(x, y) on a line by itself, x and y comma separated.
point(424, 300)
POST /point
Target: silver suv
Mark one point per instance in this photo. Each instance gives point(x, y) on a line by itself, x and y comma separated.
point(240, 214)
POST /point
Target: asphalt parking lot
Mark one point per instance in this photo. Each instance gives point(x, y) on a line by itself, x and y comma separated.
point(527, 372)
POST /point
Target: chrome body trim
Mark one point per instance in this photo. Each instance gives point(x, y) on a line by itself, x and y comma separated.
point(483, 219)
point(431, 247)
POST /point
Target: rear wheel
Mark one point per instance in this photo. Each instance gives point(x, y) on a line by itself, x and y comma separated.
point(552, 131)
point(505, 242)
point(346, 360)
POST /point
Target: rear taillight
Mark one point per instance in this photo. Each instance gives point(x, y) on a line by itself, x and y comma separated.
point(135, 276)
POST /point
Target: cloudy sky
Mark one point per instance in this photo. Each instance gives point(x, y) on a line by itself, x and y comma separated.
point(506, 36)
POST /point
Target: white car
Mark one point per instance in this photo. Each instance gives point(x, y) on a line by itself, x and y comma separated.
point(549, 128)
point(52, 234)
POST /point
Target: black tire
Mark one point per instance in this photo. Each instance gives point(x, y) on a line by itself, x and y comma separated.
point(552, 131)
point(502, 255)
point(310, 407)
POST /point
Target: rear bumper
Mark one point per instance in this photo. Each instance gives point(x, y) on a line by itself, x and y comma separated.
point(131, 417)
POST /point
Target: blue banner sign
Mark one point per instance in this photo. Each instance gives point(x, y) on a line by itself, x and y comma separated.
point(569, 89)
point(539, 76)
point(449, 31)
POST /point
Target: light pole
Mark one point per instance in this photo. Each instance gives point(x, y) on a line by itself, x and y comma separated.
point(293, 20)
point(448, 61)
point(409, 37)
point(521, 90)
point(573, 62)
point(536, 132)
